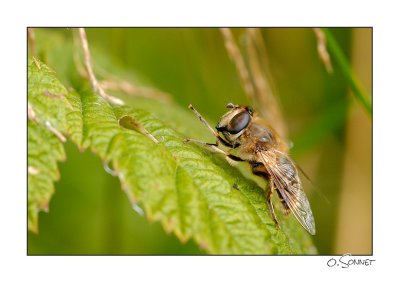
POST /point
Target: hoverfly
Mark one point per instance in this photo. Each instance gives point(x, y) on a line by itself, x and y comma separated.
point(249, 138)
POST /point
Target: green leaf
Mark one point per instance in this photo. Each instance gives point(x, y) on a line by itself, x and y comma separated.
point(54, 113)
point(183, 186)
point(189, 190)
point(48, 108)
point(44, 150)
point(74, 118)
point(47, 96)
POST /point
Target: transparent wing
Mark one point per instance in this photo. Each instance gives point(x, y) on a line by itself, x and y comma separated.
point(285, 178)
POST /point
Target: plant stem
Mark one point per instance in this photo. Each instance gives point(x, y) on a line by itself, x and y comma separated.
point(344, 66)
point(88, 64)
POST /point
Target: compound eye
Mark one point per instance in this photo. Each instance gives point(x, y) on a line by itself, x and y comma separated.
point(239, 122)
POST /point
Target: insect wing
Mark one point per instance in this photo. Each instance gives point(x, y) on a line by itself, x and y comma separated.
point(286, 180)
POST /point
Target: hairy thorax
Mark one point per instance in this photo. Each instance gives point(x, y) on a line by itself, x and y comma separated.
point(258, 137)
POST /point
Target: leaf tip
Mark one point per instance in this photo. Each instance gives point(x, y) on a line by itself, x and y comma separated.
point(37, 63)
point(56, 132)
point(138, 209)
point(33, 170)
point(115, 100)
point(31, 113)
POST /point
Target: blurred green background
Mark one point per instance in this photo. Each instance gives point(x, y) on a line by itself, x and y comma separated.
point(330, 131)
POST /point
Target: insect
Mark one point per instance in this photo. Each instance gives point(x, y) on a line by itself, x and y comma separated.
point(249, 138)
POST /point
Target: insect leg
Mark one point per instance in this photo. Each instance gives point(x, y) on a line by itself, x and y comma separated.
point(286, 209)
point(224, 142)
point(215, 148)
point(271, 207)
